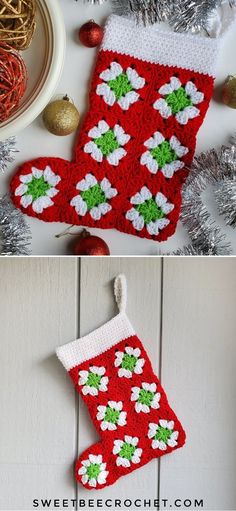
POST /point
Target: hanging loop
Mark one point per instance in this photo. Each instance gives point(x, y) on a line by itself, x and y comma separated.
point(120, 290)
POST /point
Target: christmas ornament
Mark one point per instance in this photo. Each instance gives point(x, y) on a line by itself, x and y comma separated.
point(229, 92)
point(17, 22)
point(86, 244)
point(89, 245)
point(7, 150)
point(91, 34)
point(61, 117)
point(13, 80)
point(128, 406)
point(15, 235)
point(137, 143)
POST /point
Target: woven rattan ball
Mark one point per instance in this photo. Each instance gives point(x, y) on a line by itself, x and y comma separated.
point(17, 22)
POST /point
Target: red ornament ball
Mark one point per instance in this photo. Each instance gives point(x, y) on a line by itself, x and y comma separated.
point(89, 245)
point(91, 34)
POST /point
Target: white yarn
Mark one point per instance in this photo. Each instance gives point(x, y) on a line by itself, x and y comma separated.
point(153, 44)
point(120, 291)
point(95, 343)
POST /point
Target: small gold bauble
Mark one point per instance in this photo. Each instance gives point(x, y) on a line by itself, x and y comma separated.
point(229, 92)
point(61, 117)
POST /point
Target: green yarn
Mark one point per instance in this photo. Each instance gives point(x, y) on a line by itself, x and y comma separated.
point(178, 100)
point(93, 380)
point(120, 86)
point(107, 143)
point(145, 397)
point(111, 415)
point(93, 471)
point(163, 434)
point(37, 188)
point(127, 451)
point(129, 362)
point(150, 211)
point(93, 196)
point(163, 154)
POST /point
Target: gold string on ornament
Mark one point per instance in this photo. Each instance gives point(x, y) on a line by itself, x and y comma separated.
point(17, 22)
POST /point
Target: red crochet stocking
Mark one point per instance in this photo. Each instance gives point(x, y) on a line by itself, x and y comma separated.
point(128, 406)
point(149, 95)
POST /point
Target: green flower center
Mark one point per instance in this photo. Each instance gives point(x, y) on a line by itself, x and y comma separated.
point(163, 434)
point(145, 397)
point(37, 187)
point(107, 143)
point(129, 362)
point(120, 86)
point(150, 211)
point(127, 451)
point(93, 471)
point(93, 380)
point(93, 196)
point(178, 100)
point(163, 154)
point(112, 415)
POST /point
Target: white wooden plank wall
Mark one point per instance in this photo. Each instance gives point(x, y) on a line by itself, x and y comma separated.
point(44, 426)
point(37, 403)
point(198, 372)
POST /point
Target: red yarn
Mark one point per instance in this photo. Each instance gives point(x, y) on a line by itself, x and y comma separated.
point(119, 389)
point(140, 122)
point(13, 79)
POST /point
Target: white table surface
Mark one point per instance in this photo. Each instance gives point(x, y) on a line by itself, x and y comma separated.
point(35, 140)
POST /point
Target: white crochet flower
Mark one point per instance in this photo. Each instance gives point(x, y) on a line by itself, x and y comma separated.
point(107, 143)
point(128, 451)
point(163, 155)
point(38, 188)
point(111, 416)
point(146, 397)
point(179, 100)
point(163, 435)
point(129, 362)
point(93, 471)
point(150, 212)
point(93, 381)
point(120, 86)
point(94, 197)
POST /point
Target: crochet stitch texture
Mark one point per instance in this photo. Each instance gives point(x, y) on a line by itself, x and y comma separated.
point(149, 95)
point(127, 404)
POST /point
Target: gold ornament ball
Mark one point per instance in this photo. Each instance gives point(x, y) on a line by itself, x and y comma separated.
point(61, 117)
point(229, 92)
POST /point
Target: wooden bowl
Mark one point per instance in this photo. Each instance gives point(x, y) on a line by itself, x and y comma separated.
point(44, 61)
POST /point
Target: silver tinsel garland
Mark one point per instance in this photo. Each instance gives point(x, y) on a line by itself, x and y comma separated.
point(217, 168)
point(225, 195)
point(192, 14)
point(182, 15)
point(7, 150)
point(15, 235)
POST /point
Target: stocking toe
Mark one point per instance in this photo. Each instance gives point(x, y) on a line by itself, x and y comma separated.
point(38, 188)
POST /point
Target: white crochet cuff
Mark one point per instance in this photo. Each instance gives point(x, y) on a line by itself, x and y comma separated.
point(154, 44)
point(95, 343)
